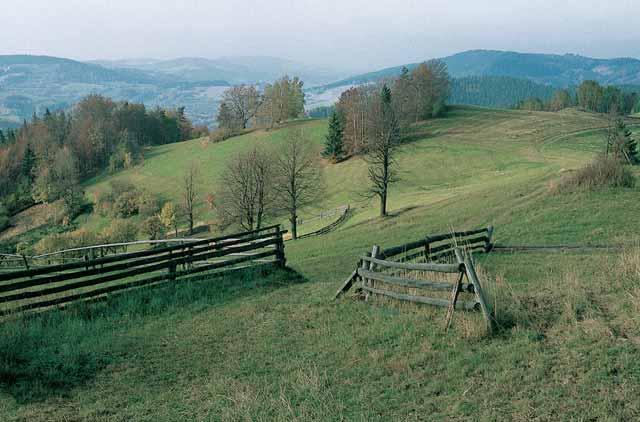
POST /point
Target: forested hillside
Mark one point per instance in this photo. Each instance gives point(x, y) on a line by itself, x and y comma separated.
point(496, 91)
point(46, 159)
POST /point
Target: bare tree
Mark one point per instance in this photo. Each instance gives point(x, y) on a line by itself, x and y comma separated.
point(383, 137)
point(246, 195)
point(298, 176)
point(239, 105)
point(190, 194)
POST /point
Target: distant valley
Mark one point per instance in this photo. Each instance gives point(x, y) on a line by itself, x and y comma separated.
point(31, 84)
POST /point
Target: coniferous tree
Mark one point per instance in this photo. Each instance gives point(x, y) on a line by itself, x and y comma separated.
point(28, 163)
point(621, 144)
point(334, 142)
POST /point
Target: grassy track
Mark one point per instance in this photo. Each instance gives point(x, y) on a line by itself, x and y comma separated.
point(276, 347)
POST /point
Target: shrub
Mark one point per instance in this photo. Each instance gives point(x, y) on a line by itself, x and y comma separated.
point(169, 217)
point(104, 203)
point(120, 231)
point(118, 187)
point(148, 204)
point(222, 134)
point(60, 241)
point(152, 228)
point(601, 173)
point(126, 204)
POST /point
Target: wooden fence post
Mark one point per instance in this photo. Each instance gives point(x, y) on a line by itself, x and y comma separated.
point(24, 260)
point(455, 292)
point(473, 278)
point(365, 266)
point(427, 250)
point(488, 245)
point(172, 268)
point(280, 256)
point(375, 250)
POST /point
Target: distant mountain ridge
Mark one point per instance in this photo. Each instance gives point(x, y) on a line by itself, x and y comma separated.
point(547, 69)
point(235, 70)
point(31, 84)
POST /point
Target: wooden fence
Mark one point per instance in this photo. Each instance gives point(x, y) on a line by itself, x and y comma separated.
point(407, 271)
point(329, 228)
point(58, 284)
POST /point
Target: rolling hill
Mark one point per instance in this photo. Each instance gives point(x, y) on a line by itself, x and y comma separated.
point(235, 70)
point(547, 69)
point(503, 78)
point(276, 346)
point(30, 84)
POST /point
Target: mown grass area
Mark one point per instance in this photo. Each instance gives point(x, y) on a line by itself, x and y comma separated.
point(277, 347)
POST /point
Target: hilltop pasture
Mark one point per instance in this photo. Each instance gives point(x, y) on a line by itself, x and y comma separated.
point(277, 347)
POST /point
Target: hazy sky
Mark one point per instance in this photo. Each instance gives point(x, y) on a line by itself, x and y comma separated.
point(353, 34)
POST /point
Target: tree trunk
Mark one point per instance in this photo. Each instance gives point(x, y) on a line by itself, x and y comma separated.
point(190, 224)
point(383, 204)
point(294, 226)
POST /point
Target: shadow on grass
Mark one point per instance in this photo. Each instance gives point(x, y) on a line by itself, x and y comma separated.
point(50, 353)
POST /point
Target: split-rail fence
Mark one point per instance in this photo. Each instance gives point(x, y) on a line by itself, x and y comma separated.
point(417, 266)
point(59, 284)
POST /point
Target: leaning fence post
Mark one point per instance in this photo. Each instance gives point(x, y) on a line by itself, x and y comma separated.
point(480, 297)
point(24, 260)
point(455, 292)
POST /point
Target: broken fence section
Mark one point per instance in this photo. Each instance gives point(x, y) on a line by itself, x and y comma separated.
point(382, 272)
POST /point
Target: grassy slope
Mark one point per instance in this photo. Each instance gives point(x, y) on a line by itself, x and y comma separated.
point(284, 350)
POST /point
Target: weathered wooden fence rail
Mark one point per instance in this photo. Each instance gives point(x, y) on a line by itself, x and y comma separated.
point(440, 246)
point(57, 284)
point(383, 272)
point(329, 228)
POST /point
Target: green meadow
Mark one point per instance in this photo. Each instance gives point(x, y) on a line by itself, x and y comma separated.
point(274, 345)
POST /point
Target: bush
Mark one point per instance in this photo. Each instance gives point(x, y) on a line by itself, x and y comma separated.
point(125, 201)
point(126, 204)
point(148, 204)
point(120, 231)
point(601, 173)
point(60, 241)
point(152, 228)
point(118, 187)
point(222, 134)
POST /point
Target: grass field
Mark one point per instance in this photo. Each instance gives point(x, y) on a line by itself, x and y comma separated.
point(276, 347)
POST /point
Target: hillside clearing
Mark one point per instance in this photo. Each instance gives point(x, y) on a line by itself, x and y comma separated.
point(278, 348)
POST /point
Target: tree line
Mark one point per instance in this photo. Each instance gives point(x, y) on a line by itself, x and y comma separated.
point(415, 95)
point(47, 158)
point(244, 106)
point(588, 96)
point(370, 120)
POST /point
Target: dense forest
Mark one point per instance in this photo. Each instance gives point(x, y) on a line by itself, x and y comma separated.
point(496, 91)
point(47, 158)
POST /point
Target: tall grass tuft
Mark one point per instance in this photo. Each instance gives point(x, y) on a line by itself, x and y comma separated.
point(601, 173)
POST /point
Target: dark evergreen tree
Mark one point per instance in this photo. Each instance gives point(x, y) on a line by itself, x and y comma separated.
point(3, 140)
point(334, 142)
point(28, 163)
point(621, 144)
